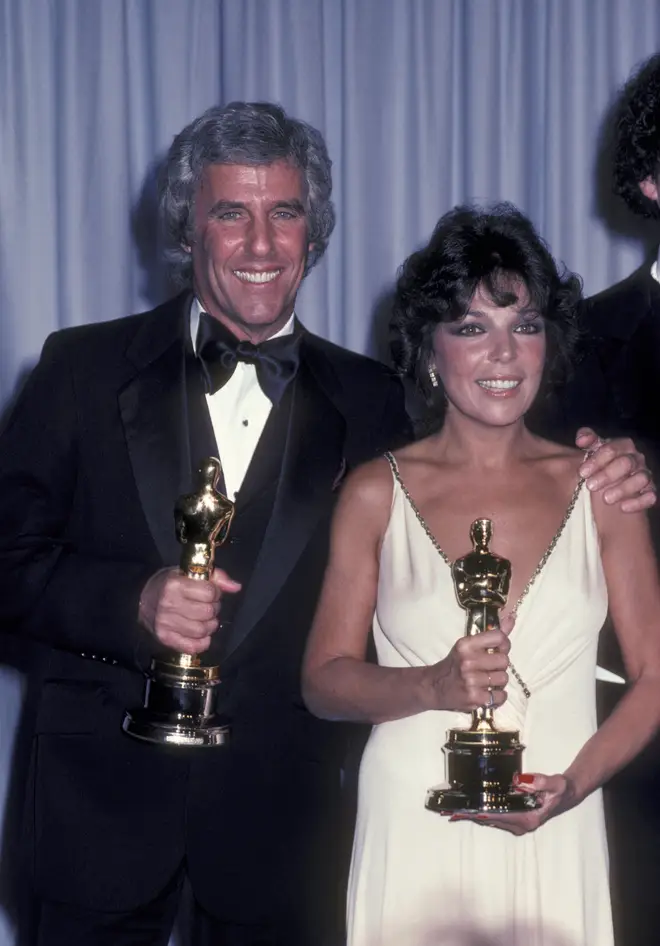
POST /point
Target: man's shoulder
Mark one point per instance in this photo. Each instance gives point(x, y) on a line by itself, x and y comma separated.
point(117, 334)
point(633, 287)
point(367, 393)
point(618, 310)
point(353, 369)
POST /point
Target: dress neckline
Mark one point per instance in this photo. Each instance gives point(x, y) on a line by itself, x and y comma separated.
point(443, 555)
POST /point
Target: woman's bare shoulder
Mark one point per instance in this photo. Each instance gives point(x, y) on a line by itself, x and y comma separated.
point(364, 506)
point(563, 464)
point(558, 460)
point(370, 483)
point(418, 453)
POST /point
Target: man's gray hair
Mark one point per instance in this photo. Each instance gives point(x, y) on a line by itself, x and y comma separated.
point(251, 133)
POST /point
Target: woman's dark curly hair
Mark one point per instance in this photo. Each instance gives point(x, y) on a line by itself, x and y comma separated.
point(637, 137)
point(495, 247)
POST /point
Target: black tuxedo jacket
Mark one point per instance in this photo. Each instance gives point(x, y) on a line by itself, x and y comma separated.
point(624, 359)
point(620, 385)
point(103, 439)
point(615, 390)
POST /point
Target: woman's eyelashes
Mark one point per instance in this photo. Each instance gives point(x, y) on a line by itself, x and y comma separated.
point(529, 325)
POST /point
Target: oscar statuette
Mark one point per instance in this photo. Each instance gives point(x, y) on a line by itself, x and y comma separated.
point(481, 760)
point(179, 698)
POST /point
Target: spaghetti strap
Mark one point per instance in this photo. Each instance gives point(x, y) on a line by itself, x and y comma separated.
point(394, 466)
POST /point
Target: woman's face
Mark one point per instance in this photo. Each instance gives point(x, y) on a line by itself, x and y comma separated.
point(491, 361)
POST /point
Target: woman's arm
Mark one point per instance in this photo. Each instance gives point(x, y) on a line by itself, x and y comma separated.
point(337, 681)
point(633, 588)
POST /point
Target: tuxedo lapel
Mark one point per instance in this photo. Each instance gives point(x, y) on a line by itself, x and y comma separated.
point(153, 407)
point(201, 436)
point(313, 456)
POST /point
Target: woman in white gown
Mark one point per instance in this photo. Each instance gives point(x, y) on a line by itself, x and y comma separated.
point(483, 321)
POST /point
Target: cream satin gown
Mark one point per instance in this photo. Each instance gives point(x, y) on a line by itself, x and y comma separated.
point(419, 880)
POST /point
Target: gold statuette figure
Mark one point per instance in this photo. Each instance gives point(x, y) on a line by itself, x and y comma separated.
point(481, 760)
point(179, 699)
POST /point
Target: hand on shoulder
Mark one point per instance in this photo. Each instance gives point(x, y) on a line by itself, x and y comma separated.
point(617, 470)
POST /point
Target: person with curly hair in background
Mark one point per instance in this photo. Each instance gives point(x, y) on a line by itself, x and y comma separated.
point(624, 320)
point(484, 322)
point(616, 388)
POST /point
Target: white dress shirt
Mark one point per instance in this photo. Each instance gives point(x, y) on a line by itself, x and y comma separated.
point(239, 411)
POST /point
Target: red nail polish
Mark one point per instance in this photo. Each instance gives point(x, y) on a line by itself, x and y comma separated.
point(525, 778)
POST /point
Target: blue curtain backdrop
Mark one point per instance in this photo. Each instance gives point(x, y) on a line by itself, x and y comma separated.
point(424, 103)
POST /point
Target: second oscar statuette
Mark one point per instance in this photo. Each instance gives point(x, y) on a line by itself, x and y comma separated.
point(481, 760)
point(179, 698)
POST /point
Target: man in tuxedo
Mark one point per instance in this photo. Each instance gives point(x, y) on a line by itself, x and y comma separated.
point(104, 438)
point(617, 384)
point(616, 389)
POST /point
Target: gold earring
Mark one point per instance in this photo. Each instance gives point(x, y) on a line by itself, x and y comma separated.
point(433, 376)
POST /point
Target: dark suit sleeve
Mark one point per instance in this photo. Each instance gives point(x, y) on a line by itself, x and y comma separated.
point(54, 585)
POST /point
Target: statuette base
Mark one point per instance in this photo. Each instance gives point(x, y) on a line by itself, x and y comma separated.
point(450, 801)
point(481, 765)
point(179, 705)
point(141, 724)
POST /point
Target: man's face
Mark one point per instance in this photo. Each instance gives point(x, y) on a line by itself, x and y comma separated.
point(250, 245)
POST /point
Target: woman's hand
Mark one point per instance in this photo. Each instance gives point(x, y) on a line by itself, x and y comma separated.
point(473, 672)
point(555, 792)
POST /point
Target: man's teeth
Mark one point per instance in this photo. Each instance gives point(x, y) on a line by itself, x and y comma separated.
point(257, 277)
point(498, 385)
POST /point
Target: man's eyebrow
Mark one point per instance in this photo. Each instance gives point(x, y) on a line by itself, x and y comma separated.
point(293, 204)
point(222, 205)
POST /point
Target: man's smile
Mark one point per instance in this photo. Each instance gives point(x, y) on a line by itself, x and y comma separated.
point(246, 275)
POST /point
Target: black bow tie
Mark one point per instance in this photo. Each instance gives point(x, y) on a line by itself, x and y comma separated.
point(218, 351)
